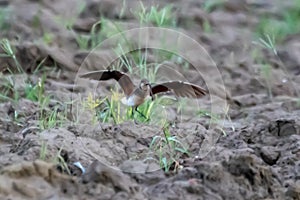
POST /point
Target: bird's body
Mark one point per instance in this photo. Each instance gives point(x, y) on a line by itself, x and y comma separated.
point(137, 98)
point(131, 101)
point(136, 95)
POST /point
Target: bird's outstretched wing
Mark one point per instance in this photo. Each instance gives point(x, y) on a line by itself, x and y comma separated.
point(103, 75)
point(179, 88)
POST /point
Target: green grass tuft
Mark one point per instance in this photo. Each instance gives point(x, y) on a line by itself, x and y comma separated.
point(287, 23)
point(161, 17)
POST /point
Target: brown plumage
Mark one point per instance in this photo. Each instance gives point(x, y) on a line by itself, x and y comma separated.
point(136, 95)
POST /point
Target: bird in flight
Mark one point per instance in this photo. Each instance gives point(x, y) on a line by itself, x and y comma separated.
point(136, 95)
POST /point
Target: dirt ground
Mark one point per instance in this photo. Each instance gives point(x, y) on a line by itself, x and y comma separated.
point(251, 152)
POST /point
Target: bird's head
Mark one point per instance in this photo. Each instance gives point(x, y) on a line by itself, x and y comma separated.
point(145, 85)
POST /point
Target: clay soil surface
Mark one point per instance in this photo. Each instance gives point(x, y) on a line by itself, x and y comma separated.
point(249, 149)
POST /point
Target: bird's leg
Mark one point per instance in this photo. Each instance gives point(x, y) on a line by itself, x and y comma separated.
point(140, 112)
point(132, 113)
point(151, 93)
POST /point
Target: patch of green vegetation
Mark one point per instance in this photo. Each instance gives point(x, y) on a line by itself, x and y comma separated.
point(268, 42)
point(36, 22)
point(139, 59)
point(8, 52)
point(112, 110)
point(35, 92)
point(8, 93)
point(207, 26)
point(60, 161)
point(271, 31)
point(136, 58)
point(51, 118)
point(5, 14)
point(48, 118)
point(82, 41)
point(162, 17)
point(216, 119)
point(210, 5)
point(145, 70)
point(43, 151)
point(167, 149)
point(107, 29)
point(287, 23)
point(265, 71)
point(92, 104)
point(57, 159)
point(48, 38)
point(100, 31)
